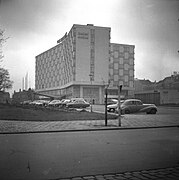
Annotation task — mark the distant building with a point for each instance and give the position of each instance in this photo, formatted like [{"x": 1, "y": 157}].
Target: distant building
[
  {"x": 24, "y": 95},
  {"x": 163, "y": 92},
  {"x": 83, "y": 63},
  {"x": 144, "y": 85},
  {"x": 4, "y": 97},
  {"x": 171, "y": 82}
]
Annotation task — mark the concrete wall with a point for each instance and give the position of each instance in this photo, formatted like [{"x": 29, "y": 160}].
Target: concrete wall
[
  {"x": 169, "y": 96},
  {"x": 100, "y": 45},
  {"x": 82, "y": 54}
]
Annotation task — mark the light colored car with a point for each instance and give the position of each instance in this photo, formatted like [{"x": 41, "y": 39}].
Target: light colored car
[
  {"x": 38, "y": 102},
  {"x": 113, "y": 107},
  {"x": 26, "y": 102},
  {"x": 64, "y": 102},
  {"x": 135, "y": 105},
  {"x": 55, "y": 103},
  {"x": 111, "y": 101},
  {"x": 77, "y": 103}
]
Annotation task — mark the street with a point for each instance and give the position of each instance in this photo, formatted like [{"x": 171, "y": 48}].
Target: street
[{"x": 70, "y": 154}]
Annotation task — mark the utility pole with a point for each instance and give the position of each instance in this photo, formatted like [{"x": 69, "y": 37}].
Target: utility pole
[
  {"x": 90, "y": 75},
  {"x": 106, "y": 97}
]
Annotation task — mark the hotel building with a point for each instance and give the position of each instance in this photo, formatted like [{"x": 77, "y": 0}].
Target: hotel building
[{"x": 82, "y": 63}]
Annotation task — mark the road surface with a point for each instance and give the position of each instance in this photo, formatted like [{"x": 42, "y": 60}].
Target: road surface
[{"x": 62, "y": 155}]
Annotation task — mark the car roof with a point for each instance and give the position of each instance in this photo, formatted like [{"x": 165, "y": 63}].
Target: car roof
[{"x": 132, "y": 100}]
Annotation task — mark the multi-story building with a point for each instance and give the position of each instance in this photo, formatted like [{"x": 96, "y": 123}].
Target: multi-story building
[
  {"x": 83, "y": 62},
  {"x": 121, "y": 70}
]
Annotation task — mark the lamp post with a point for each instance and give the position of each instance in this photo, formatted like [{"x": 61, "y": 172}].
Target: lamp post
[
  {"x": 106, "y": 98},
  {"x": 90, "y": 75},
  {"x": 119, "y": 104}
]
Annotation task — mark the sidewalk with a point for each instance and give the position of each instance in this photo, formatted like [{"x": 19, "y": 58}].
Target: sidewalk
[{"x": 127, "y": 122}]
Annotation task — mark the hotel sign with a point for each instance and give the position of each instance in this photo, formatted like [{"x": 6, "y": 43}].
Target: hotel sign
[
  {"x": 61, "y": 39},
  {"x": 83, "y": 35}
]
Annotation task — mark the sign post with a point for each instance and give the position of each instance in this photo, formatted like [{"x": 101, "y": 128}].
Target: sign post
[
  {"x": 119, "y": 104},
  {"x": 106, "y": 97},
  {"x": 90, "y": 75}
]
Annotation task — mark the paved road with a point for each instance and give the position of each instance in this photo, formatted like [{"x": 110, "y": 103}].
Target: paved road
[{"x": 88, "y": 153}]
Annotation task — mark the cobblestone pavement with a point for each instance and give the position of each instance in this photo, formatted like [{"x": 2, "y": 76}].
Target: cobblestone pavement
[
  {"x": 157, "y": 174},
  {"x": 127, "y": 121}
]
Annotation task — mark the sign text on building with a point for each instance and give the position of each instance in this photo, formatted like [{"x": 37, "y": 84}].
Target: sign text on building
[{"x": 83, "y": 35}]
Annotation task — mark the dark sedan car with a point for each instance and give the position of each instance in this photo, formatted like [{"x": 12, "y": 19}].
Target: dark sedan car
[{"x": 135, "y": 105}]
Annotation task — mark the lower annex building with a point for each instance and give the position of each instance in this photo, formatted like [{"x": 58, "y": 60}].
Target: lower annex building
[{"x": 83, "y": 63}]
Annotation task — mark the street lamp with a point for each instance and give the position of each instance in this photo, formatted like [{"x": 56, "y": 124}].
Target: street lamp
[
  {"x": 106, "y": 98},
  {"x": 91, "y": 79},
  {"x": 119, "y": 103}
]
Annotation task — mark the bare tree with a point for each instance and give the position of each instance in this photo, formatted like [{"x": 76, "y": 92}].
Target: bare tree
[
  {"x": 2, "y": 40},
  {"x": 5, "y": 82}
]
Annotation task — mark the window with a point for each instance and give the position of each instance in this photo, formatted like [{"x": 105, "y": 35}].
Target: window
[
  {"x": 131, "y": 72},
  {"x": 126, "y": 78},
  {"x": 116, "y": 77},
  {"x": 137, "y": 102},
  {"x": 131, "y": 61},
  {"x": 126, "y": 66},
  {"x": 116, "y": 66},
  {"x": 121, "y": 72},
  {"x": 126, "y": 55},
  {"x": 121, "y": 60},
  {"x": 121, "y": 49},
  {"x": 116, "y": 54}
]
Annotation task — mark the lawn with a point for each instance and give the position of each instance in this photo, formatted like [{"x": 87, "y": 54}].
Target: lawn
[{"x": 9, "y": 112}]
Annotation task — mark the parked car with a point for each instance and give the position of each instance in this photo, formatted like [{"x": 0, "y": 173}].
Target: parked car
[
  {"x": 78, "y": 103},
  {"x": 55, "y": 103},
  {"x": 113, "y": 107},
  {"x": 39, "y": 102},
  {"x": 26, "y": 102},
  {"x": 111, "y": 101},
  {"x": 136, "y": 105},
  {"x": 64, "y": 102}
]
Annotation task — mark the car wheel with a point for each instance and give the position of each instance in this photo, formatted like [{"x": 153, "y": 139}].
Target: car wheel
[
  {"x": 127, "y": 111},
  {"x": 153, "y": 111}
]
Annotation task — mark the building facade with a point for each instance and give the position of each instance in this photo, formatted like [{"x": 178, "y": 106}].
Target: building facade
[{"x": 83, "y": 63}]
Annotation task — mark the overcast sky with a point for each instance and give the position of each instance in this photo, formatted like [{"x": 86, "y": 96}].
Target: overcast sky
[{"x": 35, "y": 26}]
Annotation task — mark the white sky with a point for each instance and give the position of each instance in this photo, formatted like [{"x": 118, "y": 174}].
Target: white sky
[{"x": 35, "y": 26}]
